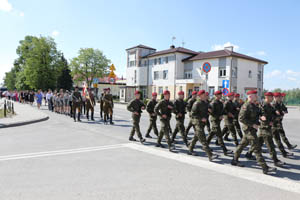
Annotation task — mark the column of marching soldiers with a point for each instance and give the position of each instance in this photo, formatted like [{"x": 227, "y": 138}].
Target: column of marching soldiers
[{"x": 265, "y": 116}]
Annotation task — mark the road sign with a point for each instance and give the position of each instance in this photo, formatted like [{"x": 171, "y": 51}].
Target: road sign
[
  {"x": 112, "y": 67},
  {"x": 112, "y": 74},
  {"x": 95, "y": 80},
  {"x": 225, "y": 91},
  {"x": 225, "y": 84},
  {"x": 206, "y": 67}
]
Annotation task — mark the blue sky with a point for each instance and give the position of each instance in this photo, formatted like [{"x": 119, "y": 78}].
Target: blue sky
[{"x": 267, "y": 29}]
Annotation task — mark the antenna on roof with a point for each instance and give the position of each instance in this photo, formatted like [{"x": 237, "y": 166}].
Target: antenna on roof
[
  {"x": 173, "y": 39},
  {"x": 183, "y": 43}
]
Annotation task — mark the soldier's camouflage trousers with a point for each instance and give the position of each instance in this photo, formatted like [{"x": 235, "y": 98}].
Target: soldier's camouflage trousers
[
  {"x": 189, "y": 126},
  {"x": 153, "y": 126},
  {"x": 229, "y": 128},
  {"x": 179, "y": 128},
  {"x": 283, "y": 136},
  {"x": 136, "y": 126},
  {"x": 250, "y": 136},
  {"x": 237, "y": 127},
  {"x": 88, "y": 109},
  {"x": 265, "y": 135},
  {"x": 164, "y": 131},
  {"x": 276, "y": 135},
  {"x": 78, "y": 107},
  {"x": 200, "y": 136},
  {"x": 216, "y": 131}
]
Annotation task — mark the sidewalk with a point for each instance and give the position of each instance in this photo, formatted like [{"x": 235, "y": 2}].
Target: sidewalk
[{"x": 25, "y": 114}]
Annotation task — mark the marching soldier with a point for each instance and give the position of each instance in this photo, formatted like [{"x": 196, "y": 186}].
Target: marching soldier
[
  {"x": 238, "y": 104},
  {"x": 277, "y": 126},
  {"x": 208, "y": 102},
  {"x": 216, "y": 116},
  {"x": 179, "y": 111},
  {"x": 249, "y": 117},
  {"x": 199, "y": 117},
  {"x": 152, "y": 115},
  {"x": 101, "y": 103},
  {"x": 164, "y": 110},
  {"x": 76, "y": 102},
  {"x": 136, "y": 106},
  {"x": 90, "y": 104},
  {"x": 265, "y": 134},
  {"x": 189, "y": 106},
  {"x": 108, "y": 105},
  {"x": 229, "y": 112}
]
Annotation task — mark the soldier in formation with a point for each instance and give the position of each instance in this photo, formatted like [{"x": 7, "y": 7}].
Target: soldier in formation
[
  {"x": 76, "y": 102},
  {"x": 108, "y": 105},
  {"x": 152, "y": 116},
  {"x": 90, "y": 104}
]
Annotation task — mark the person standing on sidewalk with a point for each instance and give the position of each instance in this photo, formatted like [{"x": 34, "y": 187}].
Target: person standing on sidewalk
[
  {"x": 39, "y": 98},
  {"x": 48, "y": 99}
]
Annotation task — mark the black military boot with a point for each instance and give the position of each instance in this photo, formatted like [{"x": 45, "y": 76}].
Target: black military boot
[
  {"x": 132, "y": 139},
  {"x": 159, "y": 145},
  {"x": 110, "y": 120},
  {"x": 287, "y": 154},
  {"x": 279, "y": 163},
  {"x": 249, "y": 156},
  {"x": 142, "y": 140},
  {"x": 290, "y": 146},
  {"x": 236, "y": 163},
  {"x": 213, "y": 157},
  {"x": 78, "y": 117},
  {"x": 92, "y": 116},
  {"x": 268, "y": 170},
  {"x": 148, "y": 135},
  {"x": 217, "y": 142}
]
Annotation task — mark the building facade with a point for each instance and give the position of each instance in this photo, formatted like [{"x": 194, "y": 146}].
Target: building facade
[{"x": 181, "y": 69}]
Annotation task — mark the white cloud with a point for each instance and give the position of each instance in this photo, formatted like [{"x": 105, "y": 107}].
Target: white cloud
[
  {"x": 273, "y": 74},
  {"x": 21, "y": 14},
  {"x": 261, "y": 53},
  {"x": 292, "y": 78},
  {"x": 5, "y": 6},
  {"x": 55, "y": 33},
  {"x": 222, "y": 46}
]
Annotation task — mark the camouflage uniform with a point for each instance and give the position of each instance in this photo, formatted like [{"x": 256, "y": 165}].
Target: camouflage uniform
[
  {"x": 108, "y": 105},
  {"x": 162, "y": 109},
  {"x": 217, "y": 111},
  {"x": 90, "y": 103},
  {"x": 135, "y": 105},
  {"x": 76, "y": 102},
  {"x": 249, "y": 116},
  {"x": 229, "y": 107},
  {"x": 282, "y": 132},
  {"x": 236, "y": 122},
  {"x": 150, "y": 109},
  {"x": 189, "y": 106},
  {"x": 198, "y": 112},
  {"x": 179, "y": 108}
]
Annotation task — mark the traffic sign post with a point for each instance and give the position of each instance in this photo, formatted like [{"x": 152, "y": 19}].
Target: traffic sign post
[
  {"x": 206, "y": 67},
  {"x": 225, "y": 91},
  {"x": 225, "y": 84}
]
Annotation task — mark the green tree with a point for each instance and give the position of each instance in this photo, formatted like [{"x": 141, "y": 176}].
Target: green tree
[
  {"x": 64, "y": 79},
  {"x": 89, "y": 64}
]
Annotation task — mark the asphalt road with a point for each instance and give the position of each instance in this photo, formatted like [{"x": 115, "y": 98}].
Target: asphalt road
[{"x": 61, "y": 159}]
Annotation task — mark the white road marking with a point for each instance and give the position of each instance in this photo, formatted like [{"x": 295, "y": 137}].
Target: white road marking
[
  {"x": 59, "y": 152},
  {"x": 279, "y": 183}
]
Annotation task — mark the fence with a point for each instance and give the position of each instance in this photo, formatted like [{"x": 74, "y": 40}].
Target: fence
[{"x": 8, "y": 107}]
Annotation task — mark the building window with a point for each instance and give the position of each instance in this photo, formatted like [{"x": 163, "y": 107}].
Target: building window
[
  {"x": 190, "y": 92},
  {"x": 134, "y": 76},
  {"x": 211, "y": 91},
  {"x": 122, "y": 93},
  {"x": 180, "y": 88},
  {"x": 234, "y": 89},
  {"x": 154, "y": 89},
  {"x": 188, "y": 75},
  {"x": 144, "y": 93},
  {"x": 165, "y": 74},
  {"x": 155, "y": 61},
  {"x": 160, "y": 90},
  {"x": 156, "y": 75},
  {"x": 234, "y": 72},
  {"x": 220, "y": 88},
  {"x": 250, "y": 74},
  {"x": 159, "y": 61},
  {"x": 167, "y": 59},
  {"x": 196, "y": 89},
  {"x": 145, "y": 63},
  {"x": 222, "y": 72},
  {"x": 132, "y": 63},
  {"x": 259, "y": 76}
]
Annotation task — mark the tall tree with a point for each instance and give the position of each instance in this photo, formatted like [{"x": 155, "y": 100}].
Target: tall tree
[
  {"x": 89, "y": 64},
  {"x": 64, "y": 79}
]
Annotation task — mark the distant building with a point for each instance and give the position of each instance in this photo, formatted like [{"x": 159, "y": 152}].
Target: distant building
[{"x": 177, "y": 69}]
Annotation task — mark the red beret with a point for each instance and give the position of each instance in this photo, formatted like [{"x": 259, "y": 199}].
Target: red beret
[
  {"x": 270, "y": 94},
  {"x": 194, "y": 92},
  {"x": 217, "y": 92},
  {"x": 154, "y": 94},
  {"x": 137, "y": 92},
  {"x": 201, "y": 92},
  {"x": 251, "y": 92},
  {"x": 108, "y": 88},
  {"x": 206, "y": 93},
  {"x": 237, "y": 95},
  {"x": 283, "y": 94},
  {"x": 166, "y": 92},
  {"x": 180, "y": 93},
  {"x": 230, "y": 94},
  {"x": 277, "y": 94}
]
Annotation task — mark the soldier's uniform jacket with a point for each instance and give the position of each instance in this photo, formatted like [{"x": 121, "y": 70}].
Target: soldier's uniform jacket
[
  {"x": 229, "y": 107},
  {"x": 284, "y": 108},
  {"x": 217, "y": 110},
  {"x": 90, "y": 100},
  {"x": 76, "y": 97},
  {"x": 162, "y": 109},
  {"x": 268, "y": 111},
  {"x": 108, "y": 100},
  {"x": 278, "y": 118},
  {"x": 238, "y": 106},
  {"x": 135, "y": 105},
  {"x": 199, "y": 110},
  {"x": 179, "y": 107},
  {"x": 249, "y": 115},
  {"x": 150, "y": 108},
  {"x": 189, "y": 105}
]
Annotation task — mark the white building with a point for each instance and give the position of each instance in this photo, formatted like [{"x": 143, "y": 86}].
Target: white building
[{"x": 179, "y": 68}]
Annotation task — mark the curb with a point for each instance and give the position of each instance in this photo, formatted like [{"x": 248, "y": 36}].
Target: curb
[{"x": 24, "y": 122}]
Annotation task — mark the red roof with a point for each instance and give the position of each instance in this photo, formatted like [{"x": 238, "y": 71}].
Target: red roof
[
  {"x": 141, "y": 46},
  {"x": 173, "y": 50},
  {"x": 221, "y": 53}
]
